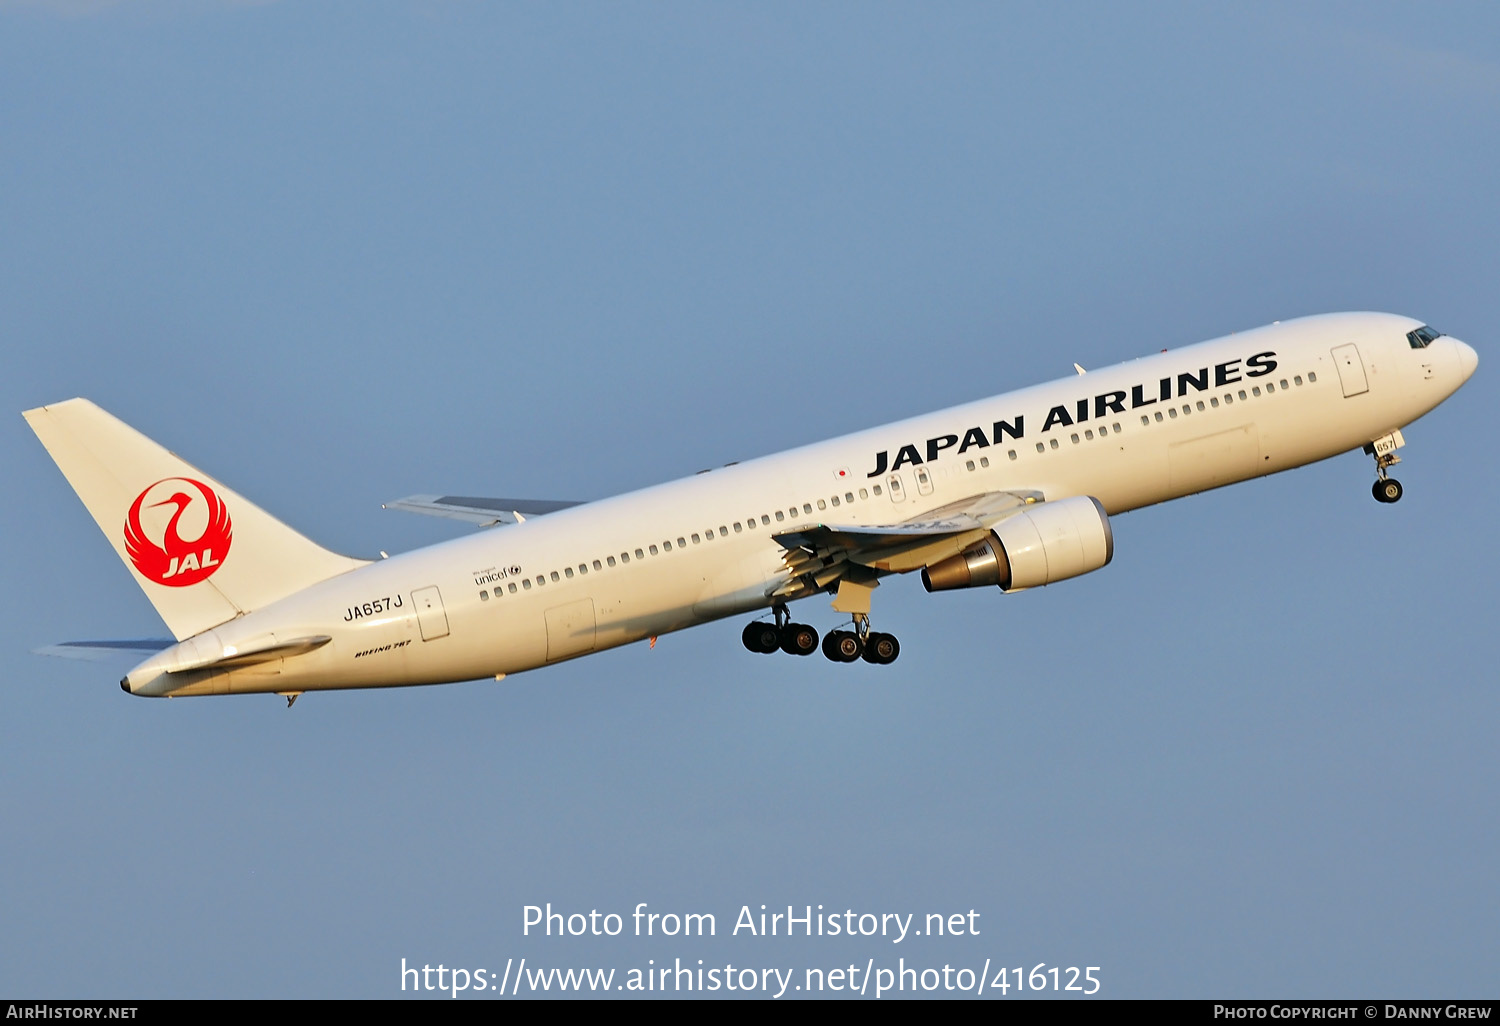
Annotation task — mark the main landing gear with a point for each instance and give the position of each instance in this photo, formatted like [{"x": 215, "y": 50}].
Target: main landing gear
[
  {"x": 839, "y": 646},
  {"x": 791, "y": 638},
  {"x": 861, "y": 643}
]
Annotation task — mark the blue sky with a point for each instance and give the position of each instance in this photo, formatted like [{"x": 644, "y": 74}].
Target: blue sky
[{"x": 335, "y": 254}]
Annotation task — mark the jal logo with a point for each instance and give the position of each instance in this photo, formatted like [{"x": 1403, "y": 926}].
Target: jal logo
[{"x": 177, "y": 532}]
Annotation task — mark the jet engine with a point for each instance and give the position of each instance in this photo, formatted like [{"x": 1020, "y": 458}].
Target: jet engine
[{"x": 1047, "y": 542}]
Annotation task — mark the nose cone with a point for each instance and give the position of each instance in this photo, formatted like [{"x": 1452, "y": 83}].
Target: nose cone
[{"x": 1468, "y": 359}]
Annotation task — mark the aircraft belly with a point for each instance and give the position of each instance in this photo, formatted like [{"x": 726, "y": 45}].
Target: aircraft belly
[{"x": 1212, "y": 460}]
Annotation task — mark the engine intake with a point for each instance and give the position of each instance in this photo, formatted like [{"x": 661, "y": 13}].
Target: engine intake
[{"x": 1048, "y": 542}]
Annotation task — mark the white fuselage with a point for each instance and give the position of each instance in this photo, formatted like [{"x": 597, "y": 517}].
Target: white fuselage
[{"x": 678, "y": 554}]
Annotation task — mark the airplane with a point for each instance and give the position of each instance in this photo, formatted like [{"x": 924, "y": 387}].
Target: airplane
[{"x": 1011, "y": 492}]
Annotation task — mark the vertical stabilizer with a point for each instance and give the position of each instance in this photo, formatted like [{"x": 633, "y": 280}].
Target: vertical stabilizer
[{"x": 202, "y": 553}]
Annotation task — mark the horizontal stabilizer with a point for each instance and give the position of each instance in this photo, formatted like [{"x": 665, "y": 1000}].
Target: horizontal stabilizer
[
  {"x": 479, "y": 510},
  {"x": 244, "y": 655},
  {"x": 98, "y": 651}
]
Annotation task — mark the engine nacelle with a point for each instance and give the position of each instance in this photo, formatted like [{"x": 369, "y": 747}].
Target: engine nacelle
[{"x": 1048, "y": 542}]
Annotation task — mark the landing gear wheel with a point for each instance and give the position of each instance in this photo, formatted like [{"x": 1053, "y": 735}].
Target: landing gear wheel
[
  {"x": 881, "y": 648},
  {"x": 761, "y": 637},
  {"x": 799, "y": 639},
  {"x": 1387, "y": 489},
  {"x": 842, "y": 646}
]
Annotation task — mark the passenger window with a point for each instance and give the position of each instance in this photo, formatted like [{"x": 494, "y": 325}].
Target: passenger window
[
  {"x": 723, "y": 531},
  {"x": 526, "y": 584},
  {"x": 511, "y": 587},
  {"x": 765, "y": 520},
  {"x": 541, "y": 582},
  {"x": 984, "y": 461},
  {"x": 1053, "y": 443},
  {"x": 1244, "y": 396},
  {"x": 568, "y": 572},
  {"x": 1075, "y": 437},
  {"x": 1270, "y": 387},
  {"x": 610, "y": 560},
  {"x": 598, "y": 567},
  {"x": 484, "y": 596},
  {"x": 969, "y": 464},
  {"x": 1283, "y": 384},
  {"x": 1172, "y": 413},
  {"x": 1312, "y": 376},
  {"x": 1040, "y": 447},
  {"x": 1012, "y": 454},
  {"x": 779, "y": 519},
  {"x": 1200, "y": 405},
  {"x": 738, "y": 528},
  {"x": 1228, "y": 399},
  {"x": 1145, "y": 419},
  {"x": 666, "y": 546},
  {"x": 834, "y": 500},
  {"x": 822, "y": 504},
  {"x": 653, "y": 550},
  {"x": 583, "y": 568},
  {"x": 1214, "y": 402},
  {"x": 682, "y": 543},
  {"x": 864, "y": 494},
  {"x": 1117, "y": 428},
  {"x": 1158, "y": 416},
  {"x": 848, "y": 496},
  {"x": 807, "y": 507},
  {"x": 1089, "y": 434},
  {"x": 696, "y": 539},
  {"x": 1255, "y": 390},
  {"x": 1298, "y": 379},
  {"x": 1186, "y": 409},
  {"x": 877, "y": 489}
]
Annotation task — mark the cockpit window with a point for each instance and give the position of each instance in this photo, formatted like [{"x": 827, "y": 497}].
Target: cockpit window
[{"x": 1423, "y": 337}]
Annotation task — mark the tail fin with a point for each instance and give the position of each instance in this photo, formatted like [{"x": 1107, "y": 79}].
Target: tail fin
[{"x": 200, "y": 552}]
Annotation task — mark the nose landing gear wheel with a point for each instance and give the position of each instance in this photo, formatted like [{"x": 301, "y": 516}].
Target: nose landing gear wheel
[{"x": 1387, "y": 489}]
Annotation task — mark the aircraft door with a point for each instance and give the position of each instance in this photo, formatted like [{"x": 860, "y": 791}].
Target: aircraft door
[
  {"x": 1351, "y": 369},
  {"x": 431, "y": 616},
  {"x": 893, "y": 485}
]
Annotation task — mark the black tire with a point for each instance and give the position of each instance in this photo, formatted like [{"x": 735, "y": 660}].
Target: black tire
[
  {"x": 882, "y": 649},
  {"x": 761, "y": 637},
  {"x": 847, "y": 646},
  {"x": 1387, "y": 490},
  {"x": 799, "y": 639},
  {"x": 831, "y": 646}
]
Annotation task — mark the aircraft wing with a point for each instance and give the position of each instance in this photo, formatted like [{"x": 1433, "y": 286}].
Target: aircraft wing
[
  {"x": 479, "y": 510},
  {"x": 818, "y": 555}
]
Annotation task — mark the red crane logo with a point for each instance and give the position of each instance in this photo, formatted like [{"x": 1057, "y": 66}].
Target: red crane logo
[{"x": 170, "y": 560}]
